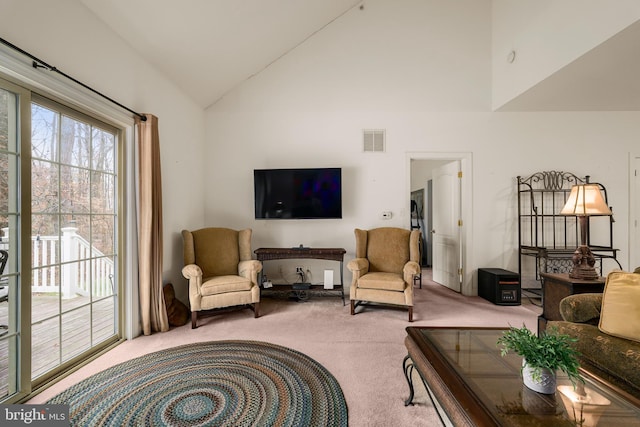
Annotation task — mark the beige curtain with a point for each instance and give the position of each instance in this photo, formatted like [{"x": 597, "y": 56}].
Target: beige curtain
[{"x": 152, "y": 308}]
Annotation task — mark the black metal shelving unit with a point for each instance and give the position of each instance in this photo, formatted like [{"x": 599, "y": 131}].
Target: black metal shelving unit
[{"x": 546, "y": 239}]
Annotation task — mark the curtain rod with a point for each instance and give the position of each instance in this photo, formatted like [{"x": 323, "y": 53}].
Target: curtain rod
[{"x": 39, "y": 63}]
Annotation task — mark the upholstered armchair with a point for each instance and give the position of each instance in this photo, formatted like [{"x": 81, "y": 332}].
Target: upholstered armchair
[
  {"x": 221, "y": 273},
  {"x": 387, "y": 259}
]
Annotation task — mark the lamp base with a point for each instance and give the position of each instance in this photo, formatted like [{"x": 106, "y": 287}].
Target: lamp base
[{"x": 583, "y": 264}]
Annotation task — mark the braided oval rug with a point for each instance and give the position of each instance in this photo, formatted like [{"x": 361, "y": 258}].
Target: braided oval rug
[{"x": 219, "y": 383}]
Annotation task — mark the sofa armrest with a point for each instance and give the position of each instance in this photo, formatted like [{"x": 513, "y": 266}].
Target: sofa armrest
[{"x": 581, "y": 308}]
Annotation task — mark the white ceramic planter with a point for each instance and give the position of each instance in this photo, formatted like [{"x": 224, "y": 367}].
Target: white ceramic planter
[{"x": 546, "y": 384}]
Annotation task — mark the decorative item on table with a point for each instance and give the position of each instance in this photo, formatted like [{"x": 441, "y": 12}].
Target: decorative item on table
[
  {"x": 584, "y": 406},
  {"x": 585, "y": 200},
  {"x": 542, "y": 356}
]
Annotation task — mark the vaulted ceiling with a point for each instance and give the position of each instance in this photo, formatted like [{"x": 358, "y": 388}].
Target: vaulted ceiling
[{"x": 209, "y": 47}]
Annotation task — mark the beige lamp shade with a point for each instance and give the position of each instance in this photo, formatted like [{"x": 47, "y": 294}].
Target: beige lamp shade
[{"x": 586, "y": 199}]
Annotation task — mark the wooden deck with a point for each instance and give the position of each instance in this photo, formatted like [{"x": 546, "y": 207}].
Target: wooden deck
[{"x": 57, "y": 339}]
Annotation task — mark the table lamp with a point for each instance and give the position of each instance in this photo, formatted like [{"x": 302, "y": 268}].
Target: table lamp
[{"x": 584, "y": 200}]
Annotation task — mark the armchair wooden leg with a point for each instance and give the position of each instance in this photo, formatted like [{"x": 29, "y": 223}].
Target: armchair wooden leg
[
  {"x": 256, "y": 310},
  {"x": 194, "y": 319},
  {"x": 410, "y": 314},
  {"x": 353, "y": 307}
]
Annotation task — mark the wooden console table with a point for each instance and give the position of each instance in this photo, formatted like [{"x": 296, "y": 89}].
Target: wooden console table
[
  {"x": 330, "y": 254},
  {"x": 556, "y": 286}
]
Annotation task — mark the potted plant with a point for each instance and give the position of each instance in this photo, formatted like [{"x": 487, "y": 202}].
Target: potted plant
[{"x": 542, "y": 356}]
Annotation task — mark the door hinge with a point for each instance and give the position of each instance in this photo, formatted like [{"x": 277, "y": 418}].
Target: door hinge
[
  {"x": 460, "y": 174},
  {"x": 459, "y": 223}
]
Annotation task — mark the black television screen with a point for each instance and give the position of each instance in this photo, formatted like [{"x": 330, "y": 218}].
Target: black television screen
[{"x": 298, "y": 193}]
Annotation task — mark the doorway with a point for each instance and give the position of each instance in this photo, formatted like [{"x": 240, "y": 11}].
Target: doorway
[
  {"x": 454, "y": 258},
  {"x": 634, "y": 219}
]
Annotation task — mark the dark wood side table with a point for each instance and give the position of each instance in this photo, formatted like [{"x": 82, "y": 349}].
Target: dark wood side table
[
  {"x": 556, "y": 286},
  {"x": 329, "y": 254}
]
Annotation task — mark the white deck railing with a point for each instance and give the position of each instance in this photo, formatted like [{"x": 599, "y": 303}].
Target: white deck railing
[{"x": 80, "y": 266}]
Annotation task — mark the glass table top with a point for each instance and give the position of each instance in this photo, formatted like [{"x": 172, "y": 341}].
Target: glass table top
[{"x": 474, "y": 355}]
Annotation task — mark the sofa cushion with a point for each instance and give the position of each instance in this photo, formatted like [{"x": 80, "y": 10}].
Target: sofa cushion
[
  {"x": 620, "y": 312},
  {"x": 616, "y": 360}
]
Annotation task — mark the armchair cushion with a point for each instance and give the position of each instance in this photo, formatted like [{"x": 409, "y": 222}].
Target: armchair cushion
[
  {"x": 387, "y": 281},
  {"x": 225, "y": 284},
  {"x": 387, "y": 248},
  {"x": 209, "y": 249},
  {"x": 212, "y": 254}
]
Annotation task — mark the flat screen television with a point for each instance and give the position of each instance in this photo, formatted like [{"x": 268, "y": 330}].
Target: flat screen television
[{"x": 298, "y": 193}]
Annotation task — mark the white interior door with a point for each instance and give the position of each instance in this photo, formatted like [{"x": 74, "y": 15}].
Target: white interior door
[{"x": 446, "y": 229}]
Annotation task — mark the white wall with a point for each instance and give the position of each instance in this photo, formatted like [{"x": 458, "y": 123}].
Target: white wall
[
  {"x": 546, "y": 35},
  {"x": 66, "y": 35},
  {"x": 422, "y": 71}
]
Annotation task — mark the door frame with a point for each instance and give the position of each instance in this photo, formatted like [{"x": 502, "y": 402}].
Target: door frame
[
  {"x": 634, "y": 211},
  {"x": 466, "y": 207}
]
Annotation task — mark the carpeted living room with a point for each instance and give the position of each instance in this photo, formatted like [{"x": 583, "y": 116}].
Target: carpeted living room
[
  {"x": 363, "y": 352},
  {"x": 127, "y": 128}
]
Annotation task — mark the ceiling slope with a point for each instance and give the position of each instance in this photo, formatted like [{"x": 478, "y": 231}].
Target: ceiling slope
[
  {"x": 607, "y": 78},
  {"x": 208, "y": 47}
]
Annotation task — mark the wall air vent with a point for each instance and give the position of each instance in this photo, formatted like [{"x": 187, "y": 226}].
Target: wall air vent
[{"x": 373, "y": 140}]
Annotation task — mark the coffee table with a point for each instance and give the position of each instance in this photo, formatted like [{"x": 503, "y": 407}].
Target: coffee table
[{"x": 471, "y": 384}]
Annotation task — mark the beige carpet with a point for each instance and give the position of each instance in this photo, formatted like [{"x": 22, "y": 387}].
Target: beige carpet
[{"x": 364, "y": 352}]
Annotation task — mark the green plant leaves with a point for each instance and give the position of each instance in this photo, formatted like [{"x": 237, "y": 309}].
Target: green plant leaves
[{"x": 550, "y": 350}]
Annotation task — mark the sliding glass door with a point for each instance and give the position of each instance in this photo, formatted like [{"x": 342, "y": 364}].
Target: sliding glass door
[
  {"x": 59, "y": 239},
  {"x": 73, "y": 227},
  {"x": 11, "y": 221}
]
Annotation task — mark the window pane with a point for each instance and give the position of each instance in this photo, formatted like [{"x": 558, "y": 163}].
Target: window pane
[
  {"x": 44, "y": 133},
  {"x": 45, "y": 228},
  {"x": 45, "y": 293},
  {"x": 103, "y": 311},
  {"x": 74, "y": 194},
  {"x": 45, "y": 349},
  {"x": 76, "y": 332},
  {"x": 103, "y": 193},
  {"x": 44, "y": 187},
  {"x": 103, "y": 234},
  {"x": 4, "y": 185},
  {"x": 103, "y": 280},
  {"x": 74, "y": 143},
  {"x": 103, "y": 156}
]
